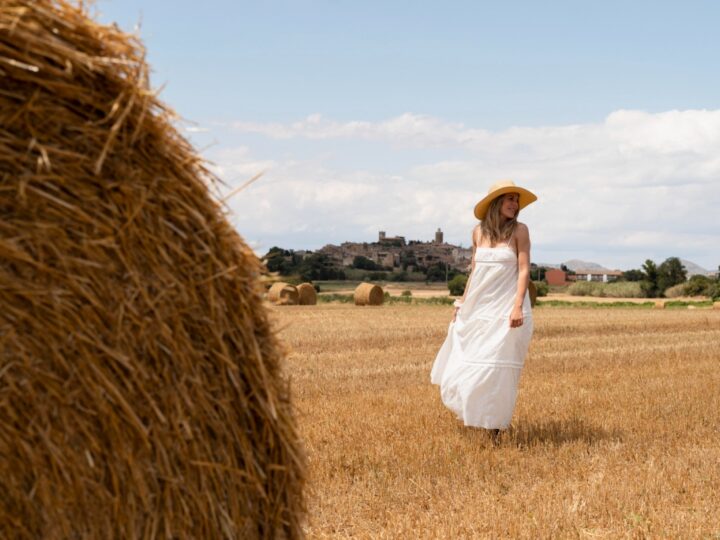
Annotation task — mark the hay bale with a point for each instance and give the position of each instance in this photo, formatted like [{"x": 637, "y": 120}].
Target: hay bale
[
  {"x": 659, "y": 304},
  {"x": 307, "y": 294},
  {"x": 367, "y": 294},
  {"x": 283, "y": 294},
  {"x": 532, "y": 291},
  {"x": 716, "y": 305},
  {"x": 140, "y": 385}
]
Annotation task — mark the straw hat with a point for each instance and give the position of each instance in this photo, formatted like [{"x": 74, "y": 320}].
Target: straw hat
[{"x": 501, "y": 188}]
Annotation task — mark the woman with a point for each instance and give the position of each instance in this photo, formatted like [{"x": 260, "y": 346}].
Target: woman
[{"x": 478, "y": 366}]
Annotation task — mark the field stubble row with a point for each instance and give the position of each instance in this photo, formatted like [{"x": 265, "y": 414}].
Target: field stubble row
[{"x": 615, "y": 433}]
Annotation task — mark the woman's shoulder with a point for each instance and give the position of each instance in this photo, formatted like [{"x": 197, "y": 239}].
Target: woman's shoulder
[
  {"x": 522, "y": 233},
  {"x": 477, "y": 234}
]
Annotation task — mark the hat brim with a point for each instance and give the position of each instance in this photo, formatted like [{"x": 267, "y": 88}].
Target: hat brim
[{"x": 526, "y": 197}]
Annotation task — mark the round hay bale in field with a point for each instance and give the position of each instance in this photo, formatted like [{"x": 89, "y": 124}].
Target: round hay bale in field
[
  {"x": 367, "y": 294},
  {"x": 716, "y": 305},
  {"x": 659, "y": 304},
  {"x": 283, "y": 294},
  {"x": 307, "y": 294},
  {"x": 532, "y": 291},
  {"x": 141, "y": 392}
]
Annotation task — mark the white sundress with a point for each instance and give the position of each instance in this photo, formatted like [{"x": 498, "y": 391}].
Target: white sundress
[{"x": 478, "y": 366}]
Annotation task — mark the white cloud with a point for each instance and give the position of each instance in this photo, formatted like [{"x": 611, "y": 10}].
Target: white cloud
[
  {"x": 638, "y": 185},
  {"x": 668, "y": 133},
  {"x": 406, "y": 129},
  {"x": 236, "y": 165},
  {"x": 197, "y": 129}
]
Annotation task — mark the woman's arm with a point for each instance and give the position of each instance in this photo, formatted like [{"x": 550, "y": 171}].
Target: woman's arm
[{"x": 522, "y": 241}]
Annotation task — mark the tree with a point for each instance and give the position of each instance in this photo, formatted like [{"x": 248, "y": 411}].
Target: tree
[
  {"x": 435, "y": 272},
  {"x": 669, "y": 273},
  {"x": 274, "y": 259},
  {"x": 650, "y": 283},
  {"x": 537, "y": 273},
  {"x": 650, "y": 271},
  {"x": 659, "y": 278},
  {"x": 633, "y": 275},
  {"x": 440, "y": 271},
  {"x": 541, "y": 288},
  {"x": 457, "y": 284},
  {"x": 698, "y": 285},
  {"x": 284, "y": 261},
  {"x": 407, "y": 258},
  {"x": 318, "y": 266},
  {"x": 363, "y": 263}
]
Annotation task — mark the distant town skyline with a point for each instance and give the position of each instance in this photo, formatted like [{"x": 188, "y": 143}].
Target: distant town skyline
[
  {"x": 573, "y": 263},
  {"x": 397, "y": 117}
]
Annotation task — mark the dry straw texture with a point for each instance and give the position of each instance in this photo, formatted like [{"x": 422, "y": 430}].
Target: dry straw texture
[
  {"x": 307, "y": 294},
  {"x": 367, "y": 294},
  {"x": 140, "y": 392},
  {"x": 283, "y": 294},
  {"x": 615, "y": 434}
]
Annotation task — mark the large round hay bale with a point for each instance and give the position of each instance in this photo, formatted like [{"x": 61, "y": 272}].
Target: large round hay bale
[
  {"x": 659, "y": 304},
  {"x": 716, "y": 305},
  {"x": 532, "y": 291},
  {"x": 141, "y": 393},
  {"x": 367, "y": 294},
  {"x": 283, "y": 294},
  {"x": 307, "y": 294}
]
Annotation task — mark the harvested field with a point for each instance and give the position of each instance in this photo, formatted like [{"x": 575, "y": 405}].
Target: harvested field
[{"x": 616, "y": 433}]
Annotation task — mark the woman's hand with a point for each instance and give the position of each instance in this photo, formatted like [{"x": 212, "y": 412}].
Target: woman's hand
[
  {"x": 516, "y": 317},
  {"x": 457, "y": 308}
]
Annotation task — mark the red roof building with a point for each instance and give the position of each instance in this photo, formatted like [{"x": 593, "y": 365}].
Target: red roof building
[{"x": 555, "y": 276}]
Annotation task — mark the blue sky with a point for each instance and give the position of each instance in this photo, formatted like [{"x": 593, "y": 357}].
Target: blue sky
[{"x": 398, "y": 115}]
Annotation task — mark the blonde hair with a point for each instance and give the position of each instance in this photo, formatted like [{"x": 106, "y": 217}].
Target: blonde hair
[{"x": 493, "y": 228}]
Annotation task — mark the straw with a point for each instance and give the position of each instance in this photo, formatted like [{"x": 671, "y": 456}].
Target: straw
[{"x": 141, "y": 392}]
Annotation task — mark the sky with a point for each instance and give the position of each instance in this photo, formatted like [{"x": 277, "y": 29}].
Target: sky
[{"x": 398, "y": 116}]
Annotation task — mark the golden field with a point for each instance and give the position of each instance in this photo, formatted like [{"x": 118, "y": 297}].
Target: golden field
[{"x": 616, "y": 433}]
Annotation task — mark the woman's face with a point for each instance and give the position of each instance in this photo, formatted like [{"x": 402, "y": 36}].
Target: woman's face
[{"x": 510, "y": 205}]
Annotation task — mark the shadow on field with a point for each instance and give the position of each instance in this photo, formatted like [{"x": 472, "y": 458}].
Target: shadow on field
[{"x": 556, "y": 432}]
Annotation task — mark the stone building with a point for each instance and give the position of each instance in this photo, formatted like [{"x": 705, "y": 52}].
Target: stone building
[{"x": 397, "y": 254}]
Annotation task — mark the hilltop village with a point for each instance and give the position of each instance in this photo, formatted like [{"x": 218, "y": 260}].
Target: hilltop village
[
  {"x": 390, "y": 258},
  {"x": 394, "y": 253}
]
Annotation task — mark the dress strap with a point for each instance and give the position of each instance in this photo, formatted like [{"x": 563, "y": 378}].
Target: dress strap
[{"x": 511, "y": 237}]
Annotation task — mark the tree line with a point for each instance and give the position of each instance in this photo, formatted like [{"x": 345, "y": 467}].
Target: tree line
[
  {"x": 656, "y": 279},
  {"x": 315, "y": 266}
]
